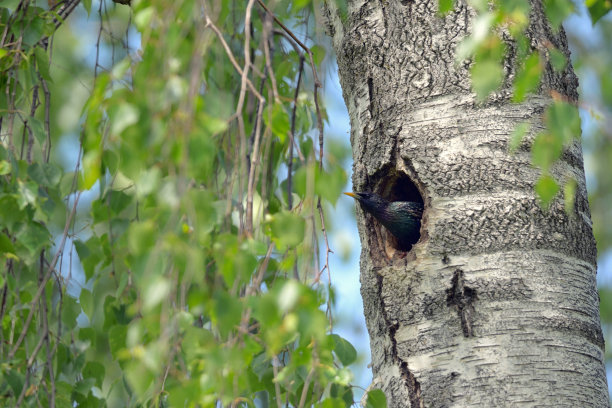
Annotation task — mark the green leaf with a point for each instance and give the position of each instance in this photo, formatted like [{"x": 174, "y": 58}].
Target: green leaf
[
  {"x": 563, "y": 121},
  {"x": 546, "y": 188},
  {"x": 318, "y": 54},
  {"x": 287, "y": 229},
  {"x": 344, "y": 350},
  {"x": 606, "y": 89},
  {"x": 569, "y": 195},
  {"x": 89, "y": 255},
  {"x": 140, "y": 378},
  {"x": 278, "y": 120},
  {"x": 487, "y": 76},
  {"x": 12, "y": 6},
  {"x": 155, "y": 292},
  {"x": 141, "y": 237},
  {"x": 557, "y": 11},
  {"x": 517, "y": 11},
  {"x": 288, "y": 296},
  {"x": 5, "y": 167},
  {"x": 10, "y": 211},
  {"x": 226, "y": 312},
  {"x": 343, "y": 392},
  {"x": 94, "y": 370},
  {"x": 125, "y": 115},
  {"x": 92, "y": 163},
  {"x": 598, "y": 9},
  {"x": 444, "y": 6},
  {"x": 70, "y": 311},
  {"x": 87, "y": 303},
  {"x": 528, "y": 77},
  {"x": 143, "y": 18},
  {"x": 517, "y": 135},
  {"x": 35, "y": 26},
  {"x": 331, "y": 403},
  {"x": 557, "y": 59},
  {"x": 329, "y": 185},
  {"x": 27, "y": 194},
  {"x": 38, "y": 129},
  {"x": 45, "y": 174},
  {"x": 87, "y": 5},
  {"x": 42, "y": 62},
  {"x": 376, "y": 399},
  {"x": 202, "y": 151},
  {"x": 546, "y": 150},
  {"x": 34, "y": 237},
  {"x": 116, "y": 339},
  {"x": 213, "y": 125},
  {"x": 605, "y": 304},
  {"x": 14, "y": 380},
  {"x": 6, "y": 245},
  {"x": 121, "y": 68}
]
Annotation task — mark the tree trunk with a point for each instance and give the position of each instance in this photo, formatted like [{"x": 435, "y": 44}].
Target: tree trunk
[{"x": 496, "y": 305}]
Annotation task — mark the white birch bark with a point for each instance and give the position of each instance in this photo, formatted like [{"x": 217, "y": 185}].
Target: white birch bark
[{"x": 496, "y": 305}]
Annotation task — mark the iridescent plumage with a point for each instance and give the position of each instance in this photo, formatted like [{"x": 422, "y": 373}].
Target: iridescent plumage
[{"x": 401, "y": 218}]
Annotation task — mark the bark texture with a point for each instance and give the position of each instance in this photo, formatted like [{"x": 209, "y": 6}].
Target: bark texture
[{"x": 496, "y": 305}]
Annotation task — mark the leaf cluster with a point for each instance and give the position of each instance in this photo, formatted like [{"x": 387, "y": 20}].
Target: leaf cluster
[{"x": 191, "y": 216}]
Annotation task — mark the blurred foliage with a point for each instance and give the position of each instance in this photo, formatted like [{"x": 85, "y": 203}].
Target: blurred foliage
[
  {"x": 161, "y": 201},
  {"x": 495, "y": 25}
]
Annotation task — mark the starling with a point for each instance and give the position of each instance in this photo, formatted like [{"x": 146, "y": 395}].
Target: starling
[{"x": 401, "y": 218}]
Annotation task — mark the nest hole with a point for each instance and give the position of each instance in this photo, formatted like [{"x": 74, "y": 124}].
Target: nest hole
[{"x": 400, "y": 187}]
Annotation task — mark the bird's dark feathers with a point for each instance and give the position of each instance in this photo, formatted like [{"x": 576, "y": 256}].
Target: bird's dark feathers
[{"x": 401, "y": 218}]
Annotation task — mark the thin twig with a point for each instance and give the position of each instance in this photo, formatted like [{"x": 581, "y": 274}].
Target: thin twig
[
  {"x": 254, "y": 287},
  {"x": 33, "y": 109},
  {"x": 248, "y": 224},
  {"x": 267, "y": 54},
  {"x": 301, "y": 44},
  {"x": 230, "y": 55},
  {"x": 328, "y": 250},
  {"x": 306, "y": 387},
  {"x": 292, "y": 134},
  {"x": 46, "y": 337},
  {"x": 97, "y": 63},
  {"x": 254, "y": 163},
  {"x": 317, "y": 83},
  {"x": 47, "y": 145},
  {"x": 275, "y": 364},
  {"x": 50, "y": 271}
]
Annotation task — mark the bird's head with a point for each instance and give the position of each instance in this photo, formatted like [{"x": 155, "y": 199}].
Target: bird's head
[{"x": 370, "y": 202}]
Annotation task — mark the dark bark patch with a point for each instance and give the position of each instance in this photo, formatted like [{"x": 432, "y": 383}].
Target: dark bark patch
[
  {"x": 462, "y": 297},
  {"x": 414, "y": 387},
  {"x": 410, "y": 381},
  {"x": 371, "y": 95}
]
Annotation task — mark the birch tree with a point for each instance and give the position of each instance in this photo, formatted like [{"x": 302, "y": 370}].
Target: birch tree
[{"x": 496, "y": 305}]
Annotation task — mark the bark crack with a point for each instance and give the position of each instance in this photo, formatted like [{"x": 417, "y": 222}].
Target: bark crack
[
  {"x": 462, "y": 297},
  {"x": 371, "y": 95},
  {"x": 410, "y": 381}
]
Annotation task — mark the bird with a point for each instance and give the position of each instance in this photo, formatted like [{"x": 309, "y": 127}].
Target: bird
[{"x": 400, "y": 218}]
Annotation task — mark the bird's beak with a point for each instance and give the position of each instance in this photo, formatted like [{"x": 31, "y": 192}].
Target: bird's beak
[{"x": 352, "y": 195}]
